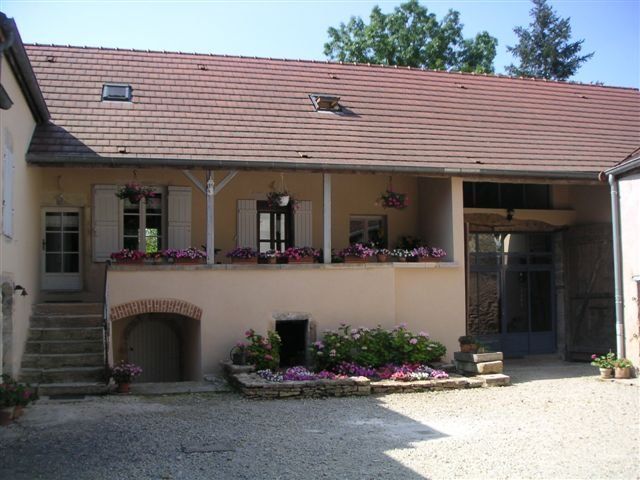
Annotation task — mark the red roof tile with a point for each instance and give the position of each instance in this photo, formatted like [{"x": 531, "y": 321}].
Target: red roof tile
[{"x": 257, "y": 112}]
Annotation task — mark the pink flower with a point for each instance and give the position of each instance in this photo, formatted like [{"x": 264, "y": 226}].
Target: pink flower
[
  {"x": 424, "y": 334},
  {"x": 248, "y": 333},
  {"x": 268, "y": 357},
  {"x": 241, "y": 345},
  {"x": 268, "y": 346},
  {"x": 413, "y": 341}
]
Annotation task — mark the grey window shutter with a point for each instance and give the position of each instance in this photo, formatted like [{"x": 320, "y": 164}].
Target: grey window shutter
[
  {"x": 106, "y": 222},
  {"x": 7, "y": 192},
  {"x": 302, "y": 224},
  {"x": 179, "y": 217},
  {"x": 246, "y": 235}
]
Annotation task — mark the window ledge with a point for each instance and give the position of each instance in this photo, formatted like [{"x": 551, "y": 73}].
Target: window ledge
[{"x": 311, "y": 266}]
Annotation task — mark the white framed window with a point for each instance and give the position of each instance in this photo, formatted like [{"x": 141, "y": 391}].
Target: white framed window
[
  {"x": 144, "y": 223},
  {"x": 368, "y": 229}
]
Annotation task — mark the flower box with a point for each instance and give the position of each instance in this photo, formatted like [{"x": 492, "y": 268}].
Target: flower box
[
  {"x": 382, "y": 258},
  {"x": 190, "y": 261},
  {"x": 130, "y": 261},
  {"x": 301, "y": 260},
  {"x": 354, "y": 259},
  {"x": 244, "y": 261},
  {"x": 424, "y": 259}
]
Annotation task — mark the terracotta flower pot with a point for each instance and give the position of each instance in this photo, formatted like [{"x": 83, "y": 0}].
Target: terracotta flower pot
[
  {"x": 190, "y": 261},
  {"x": 623, "y": 372},
  {"x": 469, "y": 348},
  {"x": 606, "y": 373},
  {"x": 6, "y": 416},
  {"x": 382, "y": 258},
  {"x": 18, "y": 411},
  {"x": 124, "y": 387},
  {"x": 426, "y": 259}
]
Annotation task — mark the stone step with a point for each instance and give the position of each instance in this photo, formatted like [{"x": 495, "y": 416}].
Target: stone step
[
  {"x": 72, "y": 389},
  {"x": 478, "y": 357},
  {"x": 479, "y": 368},
  {"x": 60, "y": 360},
  {"x": 66, "y": 321},
  {"x": 64, "y": 346},
  {"x": 89, "y": 333},
  {"x": 62, "y": 375},
  {"x": 74, "y": 308}
]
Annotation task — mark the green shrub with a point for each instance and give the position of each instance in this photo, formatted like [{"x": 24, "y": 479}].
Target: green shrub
[
  {"x": 263, "y": 352},
  {"x": 374, "y": 347}
]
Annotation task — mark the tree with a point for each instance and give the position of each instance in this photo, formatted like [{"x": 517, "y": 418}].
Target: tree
[
  {"x": 411, "y": 36},
  {"x": 544, "y": 49}
]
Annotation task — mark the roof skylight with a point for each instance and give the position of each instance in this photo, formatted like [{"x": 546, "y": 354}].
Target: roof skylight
[
  {"x": 326, "y": 103},
  {"x": 118, "y": 92}
]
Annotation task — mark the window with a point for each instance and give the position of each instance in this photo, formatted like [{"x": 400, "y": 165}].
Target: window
[
  {"x": 274, "y": 227},
  {"x": 506, "y": 195},
  {"x": 368, "y": 229},
  {"x": 325, "y": 103},
  {"x": 144, "y": 224},
  {"x": 116, "y": 92}
]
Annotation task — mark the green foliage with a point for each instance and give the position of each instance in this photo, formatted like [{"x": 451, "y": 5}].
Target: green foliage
[
  {"x": 544, "y": 49},
  {"x": 375, "y": 347},
  {"x": 411, "y": 36},
  {"x": 263, "y": 352}
]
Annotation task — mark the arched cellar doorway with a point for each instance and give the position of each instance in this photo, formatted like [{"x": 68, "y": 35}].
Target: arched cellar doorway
[{"x": 160, "y": 335}]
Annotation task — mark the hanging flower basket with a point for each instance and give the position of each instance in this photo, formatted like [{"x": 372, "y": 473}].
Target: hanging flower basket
[
  {"x": 278, "y": 199},
  {"x": 393, "y": 199},
  {"x": 135, "y": 192}
]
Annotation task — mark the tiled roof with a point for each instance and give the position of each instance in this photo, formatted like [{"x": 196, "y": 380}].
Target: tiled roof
[
  {"x": 251, "y": 112},
  {"x": 630, "y": 164}
]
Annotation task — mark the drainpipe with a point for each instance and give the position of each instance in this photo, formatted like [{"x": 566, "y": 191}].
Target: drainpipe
[{"x": 617, "y": 265}]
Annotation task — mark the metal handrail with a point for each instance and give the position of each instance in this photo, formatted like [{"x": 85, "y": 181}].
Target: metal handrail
[{"x": 105, "y": 320}]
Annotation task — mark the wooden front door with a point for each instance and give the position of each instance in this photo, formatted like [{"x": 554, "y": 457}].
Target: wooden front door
[{"x": 588, "y": 269}]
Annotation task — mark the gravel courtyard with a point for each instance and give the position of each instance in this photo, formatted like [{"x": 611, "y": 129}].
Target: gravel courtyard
[{"x": 556, "y": 421}]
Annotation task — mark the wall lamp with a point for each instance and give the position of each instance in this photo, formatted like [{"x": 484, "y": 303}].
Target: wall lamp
[{"x": 21, "y": 289}]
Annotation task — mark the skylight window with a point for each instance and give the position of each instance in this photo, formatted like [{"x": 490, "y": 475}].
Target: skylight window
[
  {"x": 116, "y": 92},
  {"x": 325, "y": 103}
]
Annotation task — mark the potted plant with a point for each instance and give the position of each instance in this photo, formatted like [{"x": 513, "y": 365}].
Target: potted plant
[
  {"x": 383, "y": 254},
  {"x": 427, "y": 254},
  {"x": 24, "y": 396},
  {"x": 299, "y": 255},
  {"x": 268, "y": 257},
  {"x": 189, "y": 255},
  {"x": 468, "y": 344},
  {"x": 246, "y": 255},
  {"x": 135, "y": 192},
  {"x": 261, "y": 351},
  {"x": 356, "y": 253},
  {"x": 604, "y": 363},
  {"x": 8, "y": 399},
  {"x": 126, "y": 256},
  {"x": 277, "y": 198},
  {"x": 622, "y": 368},
  {"x": 123, "y": 374},
  {"x": 393, "y": 199},
  {"x": 400, "y": 254},
  {"x": 238, "y": 354}
]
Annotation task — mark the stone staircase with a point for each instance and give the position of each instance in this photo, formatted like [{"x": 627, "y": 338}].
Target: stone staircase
[{"x": 64, "y": 354}]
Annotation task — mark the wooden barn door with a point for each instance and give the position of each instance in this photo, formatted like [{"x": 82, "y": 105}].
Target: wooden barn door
[{"x": 589, "y": 279}]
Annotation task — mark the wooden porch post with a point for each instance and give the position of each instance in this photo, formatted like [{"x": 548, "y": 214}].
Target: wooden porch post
[
  {"x": 326, "y": 218},
  {"x": 211, "y": 259}
]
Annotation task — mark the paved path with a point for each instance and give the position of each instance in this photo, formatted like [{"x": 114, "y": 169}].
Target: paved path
[{"x": 556, "y": 421}]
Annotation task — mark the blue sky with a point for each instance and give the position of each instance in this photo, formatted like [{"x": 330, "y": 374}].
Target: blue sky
[{"x": 298, "y": 29}]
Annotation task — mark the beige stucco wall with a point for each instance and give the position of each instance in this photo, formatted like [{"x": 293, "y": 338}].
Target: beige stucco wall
[
  {"x": 629, "y": 188},
  {"x": 352, "y": 194},
  {"x": 427, "y": 297},
  {"x": 19, "y": 255}
]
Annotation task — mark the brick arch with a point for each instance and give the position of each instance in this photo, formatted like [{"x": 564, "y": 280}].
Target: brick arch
[{"x": 155, "y": 305}]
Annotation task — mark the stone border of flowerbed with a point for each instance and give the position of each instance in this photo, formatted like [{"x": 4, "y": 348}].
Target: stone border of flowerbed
[{"x": 252, "y": 385}]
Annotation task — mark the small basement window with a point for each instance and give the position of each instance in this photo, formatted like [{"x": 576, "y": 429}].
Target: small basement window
[
  {"x": 326, "y": 103},
  {"x": 116, "y": 92}
]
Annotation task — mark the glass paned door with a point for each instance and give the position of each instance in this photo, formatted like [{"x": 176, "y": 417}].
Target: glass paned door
[{"x": 61, "y": 251}]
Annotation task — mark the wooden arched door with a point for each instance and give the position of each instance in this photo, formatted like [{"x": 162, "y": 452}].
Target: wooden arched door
[{"x": 154, "y": 344}]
